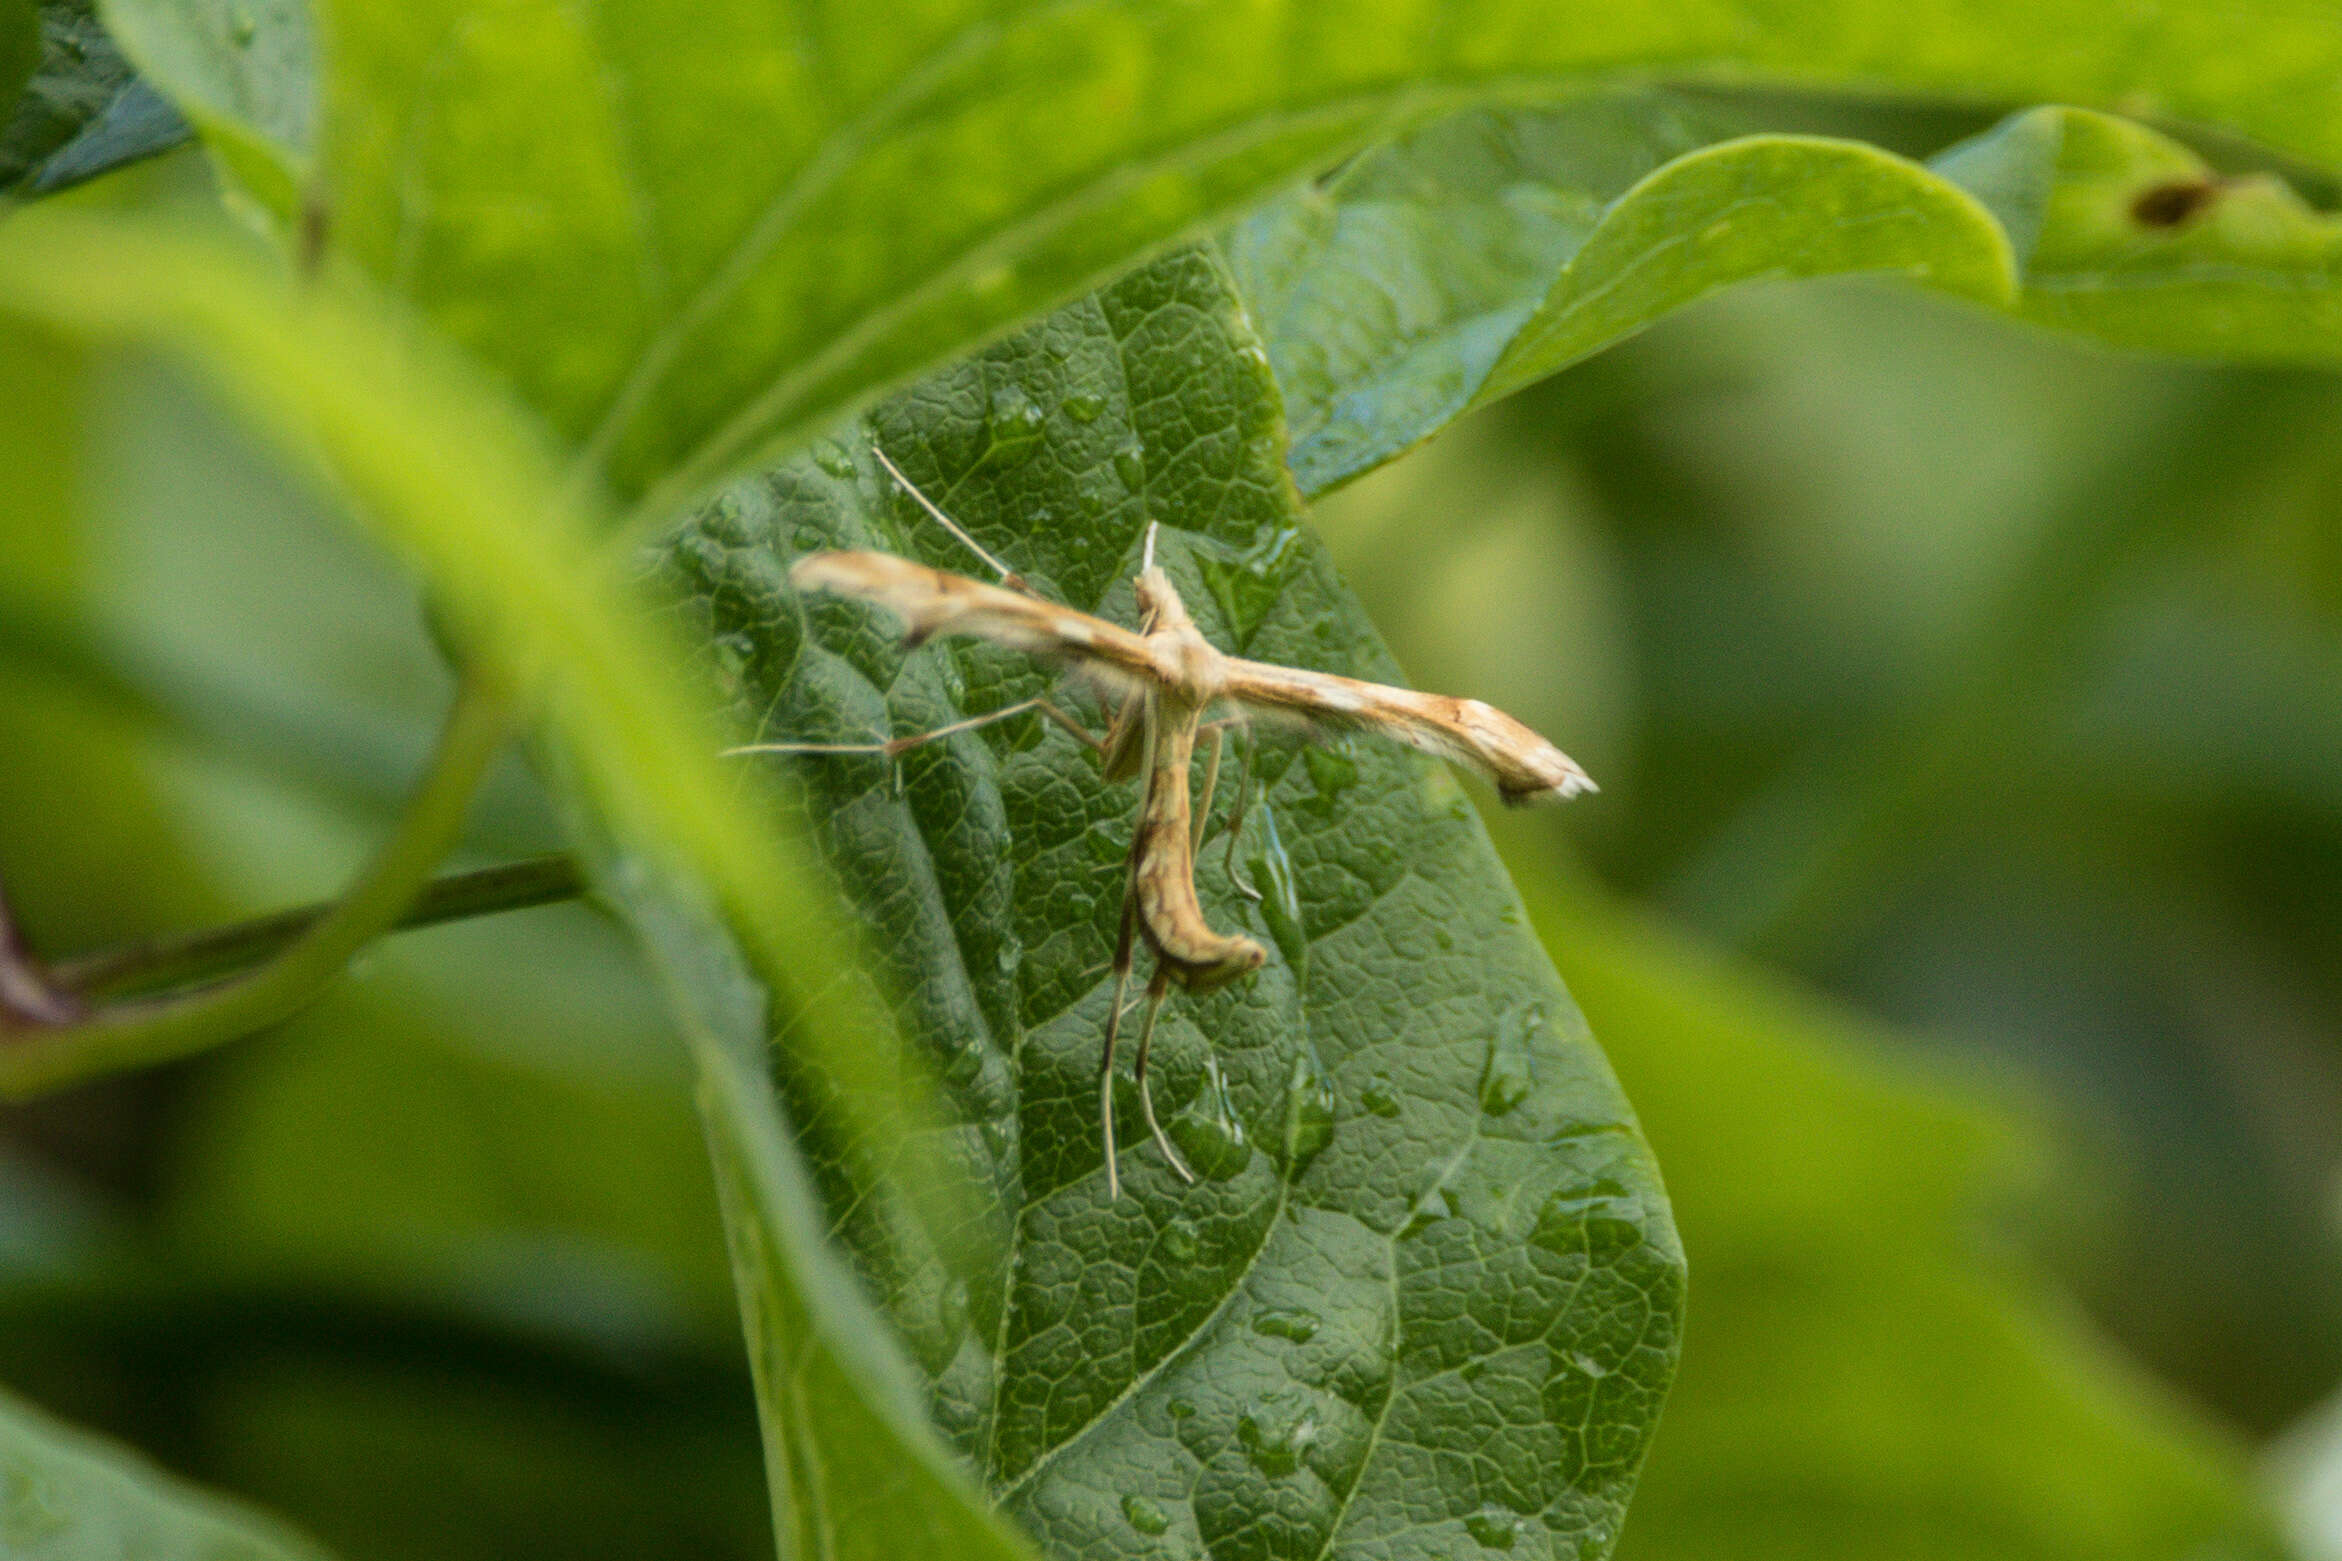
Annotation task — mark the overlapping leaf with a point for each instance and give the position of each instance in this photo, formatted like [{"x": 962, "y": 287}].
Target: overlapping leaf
[
  {"x": 1488, "y": 251},
  {"x": 687, "y": 232}
]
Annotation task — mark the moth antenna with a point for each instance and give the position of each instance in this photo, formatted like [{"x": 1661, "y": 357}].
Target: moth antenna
[
  {"x": 1147, "y": 555},
  {"x": 1008, "y": 576}
]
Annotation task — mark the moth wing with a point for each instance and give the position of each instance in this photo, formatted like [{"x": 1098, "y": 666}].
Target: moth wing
[
  {"x": 1523, "y": 766},
  {"x": 932, "y": 601}
]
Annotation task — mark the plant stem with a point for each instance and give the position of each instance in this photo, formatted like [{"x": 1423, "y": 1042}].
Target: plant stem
[
  {"x": 165, "y": 963},
  {"x": 37, "y": 1057}
]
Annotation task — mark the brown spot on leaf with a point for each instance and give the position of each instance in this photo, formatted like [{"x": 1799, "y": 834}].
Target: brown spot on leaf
[{"x": 2173, "y": 202}]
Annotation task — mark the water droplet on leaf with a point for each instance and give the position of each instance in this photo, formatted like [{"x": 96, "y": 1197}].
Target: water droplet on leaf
[
  {"x": 1130, "y": 464},
  {"x": 1145, "y": 1514},
  {"x": 1331, "y": 771},
  {"x": 1286, "y": 1322},
  {"x": 1276, "y": 1431},
  {"x": 1017, "y": 425},
  {"x": 1280, "y": 896},
  {"x": 1309, "y": 1109},
  {"x": 1380, "y": 1095},
  {"x": 1108, "y": 840},
  {"x": 1506, "y": 1080},
  {"x": 1083, "y": 406},
  {"x": 1494, "y": 1527},
  {"x": 832, "y": 458},
  {"x": 1180, "y": 1242},
  {"x": 1208, "y": 1131}
]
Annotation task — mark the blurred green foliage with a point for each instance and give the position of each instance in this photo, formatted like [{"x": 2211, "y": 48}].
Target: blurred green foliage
[{"x": 1981, "y": 680}]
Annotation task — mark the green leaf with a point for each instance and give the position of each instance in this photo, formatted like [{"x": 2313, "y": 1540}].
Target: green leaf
[
  {"x": 1492, "y": 249},
  {"x": 1499, "y": 246},
  {"x": 690, "y": 232},
  {"x": 449, "y": 476},
  {"x": 1760, "y": 206},
  {"x": 2126, "y": 235},
  {"x": 1425, "y": 1298},
  {"x": 244, "y": 71},
  {"x": 85, "y": 112},
  {"x": 67, "y": 1496},
  {"x": 851, "y": 1462},
  {"x": 1921, "y": 1398}
]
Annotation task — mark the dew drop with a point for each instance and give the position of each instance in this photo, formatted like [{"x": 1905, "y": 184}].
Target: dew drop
[
  {"x": 1017, "y": 423},
  {"x": 1380, "y": 1095},
  {"x": 1145, "y": 1514},
  {"x": 1180, "y": 1409},
  {"x": 1309, "y": 1109},
  {"x": 1287, "y": 1322},
  {"x": 1130, "y": 464},
  {"x": 1083, "y": 406},
  {"x": 1331, "y": 771},
  {"x": 1510, "y": 1072},
  {"x": 1208, "y": 1131},
  {"x": 734, "y": 653},
  {"x": 1494, "y": 1527},
  {"x": 1180, "y": 1242},
  {"x": 832, "y": 458},
  {"x": 1276, "y": 1431},
  {"x": 1280, "y": 892},
  {"x": 726, "y": 520},
  {"x": 1107, "y": 841},
  {"x": 1594, "y": 1218},
  {"x": 951, "y": 1310},
  {"x": 964, "y": 1065},
  {"x": 1011, "y": 954},
  {"x": 1587, "y": 1365},
  {"x": 1429, "y": 1210},
  {"x": 996, "y": 1138}
]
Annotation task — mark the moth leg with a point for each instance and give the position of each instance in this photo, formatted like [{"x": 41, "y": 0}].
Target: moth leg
[
  {"x": 1008, "y": 576},
  {"x": 895, "y": 748},
  {"x": 1243, "y": 885},
  {"x": 1156, "y": 988},
  {"x": 1125, "y": 945},
  {"x": 1203, "y": 809}
]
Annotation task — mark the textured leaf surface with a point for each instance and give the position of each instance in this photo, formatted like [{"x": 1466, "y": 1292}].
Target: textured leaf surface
[
  {"x": 67, "y": 1496},
  {"x": 1425, "y": 1298},
  {"x": 1851, "y": 1345},
  {"x": 688, "y": 230}
]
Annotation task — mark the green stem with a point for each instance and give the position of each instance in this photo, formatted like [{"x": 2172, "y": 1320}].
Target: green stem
[
  {"x": 167, "y": 963},
  {"x": 36, "y": 1058}
]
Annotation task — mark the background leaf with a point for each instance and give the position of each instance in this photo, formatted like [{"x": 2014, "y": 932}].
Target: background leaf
[
  {"x": 1485, "y": 252},
  {"x": 85, "y": 111},
  {"x": 1861, "y": 1379},
  {"x": 1426, "y": 1295},
  {"x": 70, "y": 1496},
  {"x": 689, "y": 235}
]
